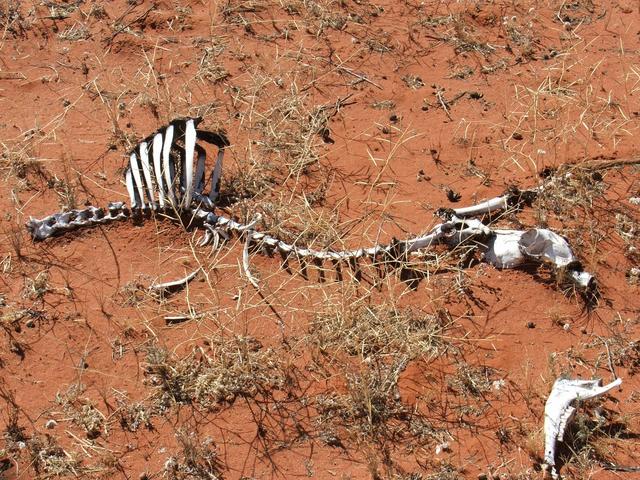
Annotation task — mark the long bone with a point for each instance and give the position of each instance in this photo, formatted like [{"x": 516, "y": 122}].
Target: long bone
[{"x": 560, "y": 408}]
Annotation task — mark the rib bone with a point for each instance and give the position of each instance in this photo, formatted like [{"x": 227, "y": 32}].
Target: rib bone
[{"x": 171, "y": 287}]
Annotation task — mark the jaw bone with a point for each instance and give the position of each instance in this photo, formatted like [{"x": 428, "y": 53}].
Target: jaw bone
[{"x": 560, "y": 408}]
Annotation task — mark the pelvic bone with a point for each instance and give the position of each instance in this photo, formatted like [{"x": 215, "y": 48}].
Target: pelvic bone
[{"x": 560, "y": 408}]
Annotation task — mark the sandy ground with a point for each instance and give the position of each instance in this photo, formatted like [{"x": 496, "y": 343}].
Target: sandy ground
[{"x": 350, "y": 123}]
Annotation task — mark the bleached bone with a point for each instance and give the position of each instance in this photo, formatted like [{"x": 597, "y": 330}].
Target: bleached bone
[
  {"x": 157, "y": 166},
  {"x": 137, "y": 180},
  {"x": 512, "y": 248},
  {"x": 483, "y": 208},
  {"x": 146, "y": 171},
  {"x": 167, "y": 165},
  {"x": 189, "y": 147},
  {"x": 503, "y": 249},
  {"x": 561, "y": 405},
  {"x": 245, "y": 251},
  {"x": 58, "y": 223},
  {"x": 513, "y": 198},
  {"x": 172, "y": 287},
  {"x": 546, "y": 246}
]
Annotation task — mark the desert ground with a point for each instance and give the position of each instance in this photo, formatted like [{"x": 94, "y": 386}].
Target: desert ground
[{"x": 351, "y": 122}]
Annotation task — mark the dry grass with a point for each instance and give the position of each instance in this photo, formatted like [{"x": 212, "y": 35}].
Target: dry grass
[
  {"x": 381, "y": 331},
  {"x": 230, "y": 368}
]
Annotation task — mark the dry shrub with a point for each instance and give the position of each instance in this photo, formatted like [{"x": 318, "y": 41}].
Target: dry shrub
[
  {"x": 231, "y": 368},
  {"x": 198, "y": 460},
  {"x": 381, "y": 330}
]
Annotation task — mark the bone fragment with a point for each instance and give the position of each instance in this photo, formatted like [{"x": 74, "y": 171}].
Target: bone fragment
[
  {"x": 245, "y": 252},
  {"x": 172, "y": 287},
  {"x": 130, "y": 189},
  {"x": 59, "y": 223},
  {"x": 176, "y": 319},
  {"x": 560, "y": 408},
  {"x": 503, "y": 249}
]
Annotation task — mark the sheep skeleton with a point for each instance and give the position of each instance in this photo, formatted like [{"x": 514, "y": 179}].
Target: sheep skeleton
[{"x": 166, "y": 181}]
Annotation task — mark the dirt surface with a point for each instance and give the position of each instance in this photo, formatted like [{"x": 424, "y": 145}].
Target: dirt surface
[{"x": 350, "y": 123}]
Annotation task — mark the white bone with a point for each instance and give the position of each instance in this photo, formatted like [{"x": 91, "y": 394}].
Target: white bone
[
  {"x": 189, "y": 147},
  {"x": 546, "y": 246},
  {"x": 483, "y": 208},
  {"x": 170, "y": 287},
  {"x": 560, "y": 407},
  {"x": 157, "y": 166},
  {"x": 146, "y": 170},
  {"x": 582, "y": 279},
  {"x": 245, "y": 251},
  {"x": 167, "y": 164},
  {"x": 135, "y": 169},
  {"x": 503, "y": 249},
  {"x": 206, "y": 238},
  {"x": 130, "y": 188}
]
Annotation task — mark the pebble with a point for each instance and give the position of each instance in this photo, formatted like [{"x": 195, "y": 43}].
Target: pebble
[
  {"x": 51, "y": 424},
  {"x": 443, "y": 447}
]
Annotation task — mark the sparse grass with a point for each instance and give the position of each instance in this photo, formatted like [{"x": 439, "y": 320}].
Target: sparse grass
[
  {"x": 75, "y": 33},
  {"x": 471, "y": 380}
]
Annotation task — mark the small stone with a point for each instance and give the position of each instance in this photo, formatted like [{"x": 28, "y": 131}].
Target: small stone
[
  {"x": 30, "y": 323},
  {"x": 531, "y": 325},
  {"x": 517, "y": 136},
  {"x": 51, "y": 424},
  {"x": 443, "y": 447},
  {"x": 566, "y": 327},
  {"x": 499, "y": 384}
]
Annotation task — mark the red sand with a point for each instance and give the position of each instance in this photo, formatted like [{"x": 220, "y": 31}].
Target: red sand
[{"x": 484, "y": 95}]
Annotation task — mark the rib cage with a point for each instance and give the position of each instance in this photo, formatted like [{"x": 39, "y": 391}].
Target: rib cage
[{"x": 163, "y": 175}]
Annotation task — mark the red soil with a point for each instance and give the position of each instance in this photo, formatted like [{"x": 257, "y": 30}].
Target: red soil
[{"x": 485, "y": 95}]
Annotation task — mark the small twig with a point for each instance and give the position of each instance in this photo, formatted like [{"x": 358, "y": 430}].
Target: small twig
[
  {"x": 363, "y": 78},
  {"x": 443, "y": 102}
]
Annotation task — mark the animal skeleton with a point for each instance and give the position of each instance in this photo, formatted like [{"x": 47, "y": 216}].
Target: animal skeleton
[
  {"x": 163, "y": 176},
  {"x": 560, "y": 409}
]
